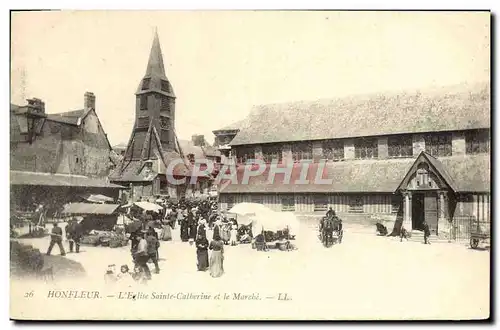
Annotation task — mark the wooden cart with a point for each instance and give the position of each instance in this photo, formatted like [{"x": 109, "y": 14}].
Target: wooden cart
[{"x": 480, "y": 232}]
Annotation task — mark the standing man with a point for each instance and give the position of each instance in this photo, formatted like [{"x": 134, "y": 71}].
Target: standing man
[
  {"x": 427, "y": 233},
  {"x": 330, "y": 213},
  {"x": 75, "y": 233},
  {"x": 152, "y": 245},
  {"x": 141, "y": 256},
  {"x": 56, "y": 238}
]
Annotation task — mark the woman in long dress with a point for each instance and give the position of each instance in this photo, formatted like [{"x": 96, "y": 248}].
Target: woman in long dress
[
  {"x": 166, "y": 232},
  {"x": 216, "y": 257},
  {"x": 202, "y": 253},
  {"x": 226, "y": 232}
]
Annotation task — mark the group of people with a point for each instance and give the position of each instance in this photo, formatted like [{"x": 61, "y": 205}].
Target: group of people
[
  {"x": 195, "y": 219},
  {"x": 74, "y": 233},
  {"x": 125, "y": 277}
]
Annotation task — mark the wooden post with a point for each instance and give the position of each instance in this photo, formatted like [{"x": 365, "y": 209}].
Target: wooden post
[{"x": 407, "y": 211}]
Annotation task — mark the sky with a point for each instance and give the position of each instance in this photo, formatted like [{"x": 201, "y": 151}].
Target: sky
[{"x": 221, "y": 63}]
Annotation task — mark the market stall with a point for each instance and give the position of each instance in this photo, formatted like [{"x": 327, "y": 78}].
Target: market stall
[
  {"x": 276, "y": 228},
  {"x": 98, "y": 223}
]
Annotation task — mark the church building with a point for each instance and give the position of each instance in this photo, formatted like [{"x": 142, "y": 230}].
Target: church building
[
  {"x": 402, "y": 157},
  {"x": 153, "y": 161}
]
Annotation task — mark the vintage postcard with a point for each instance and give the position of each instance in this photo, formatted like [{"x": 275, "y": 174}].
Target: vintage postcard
[{"x": 250, "y": 165}]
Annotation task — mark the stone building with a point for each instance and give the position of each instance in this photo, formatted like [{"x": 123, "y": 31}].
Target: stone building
[
  {"x": 55, "y": 157},
  {"x": 154, "y": 159},
  {"x": 409, "y": 156}
]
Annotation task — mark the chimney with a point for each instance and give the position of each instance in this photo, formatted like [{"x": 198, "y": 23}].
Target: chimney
[
  {"x": 198, "y": 140},
  {"x": 36, "y": 105},
  {"x": 89, "y": 101}
]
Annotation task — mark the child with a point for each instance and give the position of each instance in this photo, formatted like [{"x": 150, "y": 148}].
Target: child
[
  {"x": 110, "y": 276},
  {"x": 234, "y": 233},
  {"x": 138, "y": 275},
  {"x": 124, "y": 277}
]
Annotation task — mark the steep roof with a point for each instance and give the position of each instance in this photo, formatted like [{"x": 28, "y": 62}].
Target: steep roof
[
  {"x": 155, "y": 72},
  {"x": 70, "y": 117},
  {"x": 472, "y": 174},
  {"x": 449, "y": 108}
]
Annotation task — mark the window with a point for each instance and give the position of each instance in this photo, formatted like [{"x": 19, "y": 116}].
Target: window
[
  {"x": 477, "y": 142},
  {"x": 165, "y": 103},
  {"x": 257, "y": 199},
  {"x": 400, "y": 146},
  {"x": 230, "y": 202},
  {"x": 145, "y": 83},
  {"x": 302, "y": 151},
  {"x": 164, "y": 122},
  {"x": 356, "y": 204},
  {"x": 366, "y": 148},
  {"x": 395, "y": 204},
  {"x": 333, "y": 150},
  {"x": 271, "y": 152},
  {"x": 143, "y": 122},
  {"x": 245, "y": 154},
  {"x": 320, "y": 203},
  {"x": 438, "y": 145},
  {"x": 144, "y": 102},
  {"x": 288, "y": 203},
  {"x": 77, "y": 160},
  {"x": 165, "y": 86}
]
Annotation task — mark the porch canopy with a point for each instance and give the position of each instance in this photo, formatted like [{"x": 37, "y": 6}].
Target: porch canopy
[
  {"x": 90, "y": 208},
  {"x": 20, "y": 178},
  {"x": 431, "y": 186}
]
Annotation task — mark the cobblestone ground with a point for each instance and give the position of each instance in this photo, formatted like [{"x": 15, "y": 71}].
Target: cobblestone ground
[{"x": 365, "y": 277}]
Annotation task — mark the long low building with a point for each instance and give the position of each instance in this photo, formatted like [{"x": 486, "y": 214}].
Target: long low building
[{"x": 404, "y": 157}]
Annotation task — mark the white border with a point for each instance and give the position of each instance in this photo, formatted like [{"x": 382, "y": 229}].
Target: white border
[{"x": 177, "y": 5}]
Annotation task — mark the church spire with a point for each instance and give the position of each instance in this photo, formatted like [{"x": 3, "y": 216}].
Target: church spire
[
  {"x": 155, "y": 66},
  {"x": 155, "y": 79}
]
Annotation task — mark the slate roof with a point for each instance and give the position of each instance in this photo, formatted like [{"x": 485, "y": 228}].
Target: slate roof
[
  {"x": 472, "y": 174},
  {"x": 449, "y": 108},
  {"x": 58, "y": 180}
]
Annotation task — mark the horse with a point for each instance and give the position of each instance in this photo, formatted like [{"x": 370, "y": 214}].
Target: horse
[{"x": 327, "y": 229}]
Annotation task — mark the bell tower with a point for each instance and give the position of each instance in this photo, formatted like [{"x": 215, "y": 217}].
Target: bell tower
[{"x": 155, "y": 100}]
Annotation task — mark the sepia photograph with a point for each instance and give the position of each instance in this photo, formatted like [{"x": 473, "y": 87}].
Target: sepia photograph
[{"x": 250, "y": 165}]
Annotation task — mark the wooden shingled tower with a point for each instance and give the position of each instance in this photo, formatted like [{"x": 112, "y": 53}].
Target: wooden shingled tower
[{"x": 153, "y": 139}]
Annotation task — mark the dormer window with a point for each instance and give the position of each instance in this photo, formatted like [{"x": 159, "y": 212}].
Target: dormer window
[
  {"x": 145, "y": 83},
  {"x": 165, "y": 86}
]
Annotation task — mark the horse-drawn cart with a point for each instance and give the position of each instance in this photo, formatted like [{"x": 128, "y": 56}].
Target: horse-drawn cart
[
  {"x": 480, "y": 232},
  {"x": 330, "y": 231}
]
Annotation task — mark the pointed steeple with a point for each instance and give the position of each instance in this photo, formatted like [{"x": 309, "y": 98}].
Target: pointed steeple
[
  {"x": 155, "y": 66},
  {"x": 155, "y": 79}
]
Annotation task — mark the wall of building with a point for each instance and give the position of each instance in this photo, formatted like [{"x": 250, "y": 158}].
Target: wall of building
[
  {"x": 418, "y": 144},
  {"x": 96, "y": 149},
  {"x": 66, "y": 149},
  {"x": 376, "y": 207}
]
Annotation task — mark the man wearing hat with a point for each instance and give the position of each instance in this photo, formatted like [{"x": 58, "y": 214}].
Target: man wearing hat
[{"x": 74, "y": 232}]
